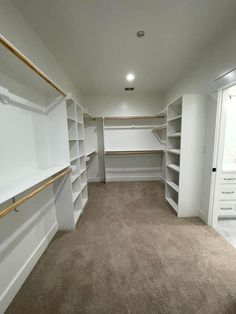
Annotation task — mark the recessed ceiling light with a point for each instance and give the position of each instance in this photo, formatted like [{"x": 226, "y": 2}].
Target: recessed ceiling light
[{"x": 130, "y": 77}]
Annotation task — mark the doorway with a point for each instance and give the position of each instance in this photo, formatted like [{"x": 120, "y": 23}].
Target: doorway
[{"x": 223, "y": 218}]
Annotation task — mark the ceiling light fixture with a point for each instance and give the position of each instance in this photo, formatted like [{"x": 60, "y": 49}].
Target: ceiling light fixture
[
  {"x": 130, "y": 77},
  {"x": 140, "y": 34}
]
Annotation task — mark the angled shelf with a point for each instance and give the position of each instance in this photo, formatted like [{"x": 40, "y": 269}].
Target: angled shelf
[{"x": 174, "y": 151}]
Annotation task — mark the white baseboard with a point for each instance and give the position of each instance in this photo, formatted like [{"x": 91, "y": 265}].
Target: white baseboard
[
  {"x": 96, "y": 179},
  {"x": 125, "y": 179},
  {"x": 20, "y": 277},
  {"x": 203, "y": 216}
]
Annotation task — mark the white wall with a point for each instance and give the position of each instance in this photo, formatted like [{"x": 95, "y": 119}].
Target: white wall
[
  {"x": 200, "y": 77},
  {"x": 18, "y": 31},
  {"x": 123, "y": 105}
]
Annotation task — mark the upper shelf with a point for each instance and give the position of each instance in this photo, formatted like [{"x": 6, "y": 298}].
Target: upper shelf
[
  {"x": 12, "y": 189},
  {"x": 160, "y": 115},
  {"x": 134, "y": 152},
  {"x": 134, "y": 117}
]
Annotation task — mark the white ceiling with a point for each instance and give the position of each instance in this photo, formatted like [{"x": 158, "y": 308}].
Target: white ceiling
[{"x": 95, "y": 40}]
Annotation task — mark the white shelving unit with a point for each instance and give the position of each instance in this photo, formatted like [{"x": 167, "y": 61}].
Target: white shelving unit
[
  {"x": 75, "y": 125},
  {"x": 185, "y": 153},
  {"x": 134, "y": 147}
]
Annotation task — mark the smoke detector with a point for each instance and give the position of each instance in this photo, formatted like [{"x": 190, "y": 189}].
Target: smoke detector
[{"x": 140, "y": 34}]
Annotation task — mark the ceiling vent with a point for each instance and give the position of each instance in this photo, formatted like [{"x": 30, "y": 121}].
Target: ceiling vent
[{"x": 129, "y": 88}]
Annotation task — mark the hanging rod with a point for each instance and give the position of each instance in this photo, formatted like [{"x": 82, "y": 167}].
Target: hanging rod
[
  {"x": 21, "y": 201},
  {"x": 29, "y": 63}
]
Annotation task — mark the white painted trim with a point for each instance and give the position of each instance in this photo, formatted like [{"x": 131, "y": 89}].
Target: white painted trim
[
  {"x": 21, "y": 276},
  {"x": 212, "y": 215},
  {"x": 128, "y": 179},
  {"x": 203, "y": 215},
  {"x": 133, "y": 170},
  {"x": 95, "y": 179}
]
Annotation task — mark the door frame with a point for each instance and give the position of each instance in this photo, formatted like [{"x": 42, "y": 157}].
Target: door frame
[{"x": 217, "y": 156}]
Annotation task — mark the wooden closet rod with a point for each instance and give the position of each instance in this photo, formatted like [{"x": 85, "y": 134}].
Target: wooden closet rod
[
  {"x": 29, "y": 63},
  {"x": 21, "y": 201}
]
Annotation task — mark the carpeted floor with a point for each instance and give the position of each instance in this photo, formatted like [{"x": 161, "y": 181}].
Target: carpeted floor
[{"x": 131, "y": 254}]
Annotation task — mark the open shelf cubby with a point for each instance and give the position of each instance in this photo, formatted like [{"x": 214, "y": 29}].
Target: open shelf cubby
[
  {"x": 172, "y": 197},
  {"x": 82, "y": 164},
  {"x": 175, "y": 110},
  {"x": 80, "y": 131},
  {"x": 71, "y": 110},
  {"x": 72, "y": 132},
  {"x": 74, "y": 151},
  {"x": 80, "y": 115},
  {"x": 81, "y": 148}
]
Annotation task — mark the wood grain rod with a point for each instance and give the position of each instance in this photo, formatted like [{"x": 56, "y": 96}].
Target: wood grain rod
[
  {"x": 30, "y": 64},
  {"x": 24, "y": 199}
]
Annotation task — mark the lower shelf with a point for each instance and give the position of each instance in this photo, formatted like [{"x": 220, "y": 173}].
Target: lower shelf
[
  {"x": 84, "y": 202},
  {"x": 173, "y": 185},
  {"x": 172, "y": 203},
  {"x": 77, "y": 215}
]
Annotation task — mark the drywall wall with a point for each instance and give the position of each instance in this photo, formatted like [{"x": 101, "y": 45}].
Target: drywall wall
[
  {"x": 200, "y": 78},
  {"x": 123, "y": 104},
  {"x": 24, "y": 236},
  {"x": 18, "y": 31}
]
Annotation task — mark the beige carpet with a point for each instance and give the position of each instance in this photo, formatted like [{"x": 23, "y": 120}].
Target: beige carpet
[{"x": 131, "y": 254}]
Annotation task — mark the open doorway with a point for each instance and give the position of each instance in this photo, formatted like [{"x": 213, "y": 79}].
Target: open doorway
[{"x": 224, "y": 187}]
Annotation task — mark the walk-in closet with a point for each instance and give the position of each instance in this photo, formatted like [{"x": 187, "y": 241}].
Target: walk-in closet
[{"x": 117, "y": 157}]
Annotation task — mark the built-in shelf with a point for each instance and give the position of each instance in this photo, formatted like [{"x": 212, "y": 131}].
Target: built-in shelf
[
  {"x": 77, "y": 215},
  {"x": 83, "y": 185},
  {"x": 172, "y": 203},
  {"x": 175, "y": 118},
  {"x": 75, "y": 195},
  {"x": 74, "y": 177},
  {"x": 174, "y": 151},
  {"x": 76, "y": 145},
  {"x": 84, "y": 202},
  {"x": 158, "y": 116},
  {"x": 134, "y": 152},
  {"x": 127, "y": 127},
  {"x": 71, "y": 119},
  {"x": 12, "y": 189},
  {"x": 173, "y": 167},
  {"x": 74, "y": 158},
  {"x": 173, "y": 185},
  {"x": 175, "y": 135}
]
